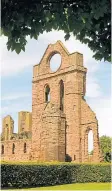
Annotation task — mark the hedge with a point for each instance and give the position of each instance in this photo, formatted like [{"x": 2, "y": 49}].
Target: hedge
[{"x": 21, "y": 176}]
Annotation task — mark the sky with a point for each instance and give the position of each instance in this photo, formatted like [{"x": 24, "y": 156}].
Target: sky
[{"x": 16, "y": 78}]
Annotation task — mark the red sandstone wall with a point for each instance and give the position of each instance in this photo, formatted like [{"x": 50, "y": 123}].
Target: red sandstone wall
[
  {"x": 71, "y": 72},
  {"x": 48, "y": 136},
  {"x": 19, "y": 150},
  {"x": 89, "y": 122}
]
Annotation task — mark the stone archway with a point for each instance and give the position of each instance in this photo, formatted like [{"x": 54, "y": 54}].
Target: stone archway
[
  {"x": 86, "y": 145},
  {"x": 96, "y": 147},
  {"x": 90, "y": 145}
]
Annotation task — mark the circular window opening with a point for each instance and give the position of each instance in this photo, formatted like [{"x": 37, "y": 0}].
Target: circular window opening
[{"x": 55, "y": 62}]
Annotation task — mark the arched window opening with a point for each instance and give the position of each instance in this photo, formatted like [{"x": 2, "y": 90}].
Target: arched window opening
[
  {"x": 13, "y": 148},
  {"x": 74, "y": 157},
  {"x": 24, "y": 147},
  {"x": 90, "y": 142},
  {"x": 2, "y": 152},
  {"x": 7, "y": 131},
  {"x": 61, "y": 95},
  {"x": 47, "y": 94}
]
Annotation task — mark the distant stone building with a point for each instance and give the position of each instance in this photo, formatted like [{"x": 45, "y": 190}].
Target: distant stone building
[
  {"x": 16, "y": 146},
  {"x": 57, "y": 129}
]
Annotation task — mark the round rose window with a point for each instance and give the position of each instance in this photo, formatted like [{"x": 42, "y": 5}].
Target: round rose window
[{"x": 55, "y": 62}]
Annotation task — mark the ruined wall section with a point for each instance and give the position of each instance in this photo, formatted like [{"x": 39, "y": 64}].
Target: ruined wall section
[
  {"x": 16, "y": 146},
  {"x": 72, "y": 111},
  {"x": 87, "y": 115},
  {"x": 89, "y": 122},
  {"x": 69, "y": 61},
  {"x": 53, "y": 134},
  {"x": 19, "y": 153},
  {"x": 43, "y": 67},
  {"x": 7, "y": 127},
  {"x": 24, "y": 121}
]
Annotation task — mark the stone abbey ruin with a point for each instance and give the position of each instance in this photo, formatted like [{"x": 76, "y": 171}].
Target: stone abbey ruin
[{"x": 58, "y": 127}]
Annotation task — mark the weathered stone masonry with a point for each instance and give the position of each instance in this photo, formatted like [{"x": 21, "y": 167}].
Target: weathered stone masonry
[
  {"x": 61, "y": 123},
  {"x": 16, "y": 146}
]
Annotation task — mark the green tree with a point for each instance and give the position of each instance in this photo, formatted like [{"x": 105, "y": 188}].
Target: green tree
[
  {"x": 105, "y": 144},
  {"x": 87, "y": 20}
]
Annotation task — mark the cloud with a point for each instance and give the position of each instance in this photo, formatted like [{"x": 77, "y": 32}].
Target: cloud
[
  {"x": 11, "y": 66},
  {"x": 13, "y": 63},
  {"x": 15, "y": 96},
  {"x": 93, "y": 89},
  {"x": 11, "y": 107}
]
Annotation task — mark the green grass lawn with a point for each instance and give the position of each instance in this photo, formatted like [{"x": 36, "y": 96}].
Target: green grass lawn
[
  {"x": 77, "y": 186},
  {"x": 81, "y": 186}
]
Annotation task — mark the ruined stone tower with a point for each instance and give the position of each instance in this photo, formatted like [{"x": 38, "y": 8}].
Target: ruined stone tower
[
  {"x": 58, "y": 127},
  {"x": 7, "y": 127},
  {"x": 61, "y": 118},
  {"x": 24, "y": 121}
]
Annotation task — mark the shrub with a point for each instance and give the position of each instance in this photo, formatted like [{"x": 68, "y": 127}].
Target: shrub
[{"x": 36, "y": 175}]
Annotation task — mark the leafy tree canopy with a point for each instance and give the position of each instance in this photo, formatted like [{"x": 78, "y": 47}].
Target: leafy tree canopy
[
  {"x": 88, "y": 20},
  {"x": 105, "y": 143}
]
